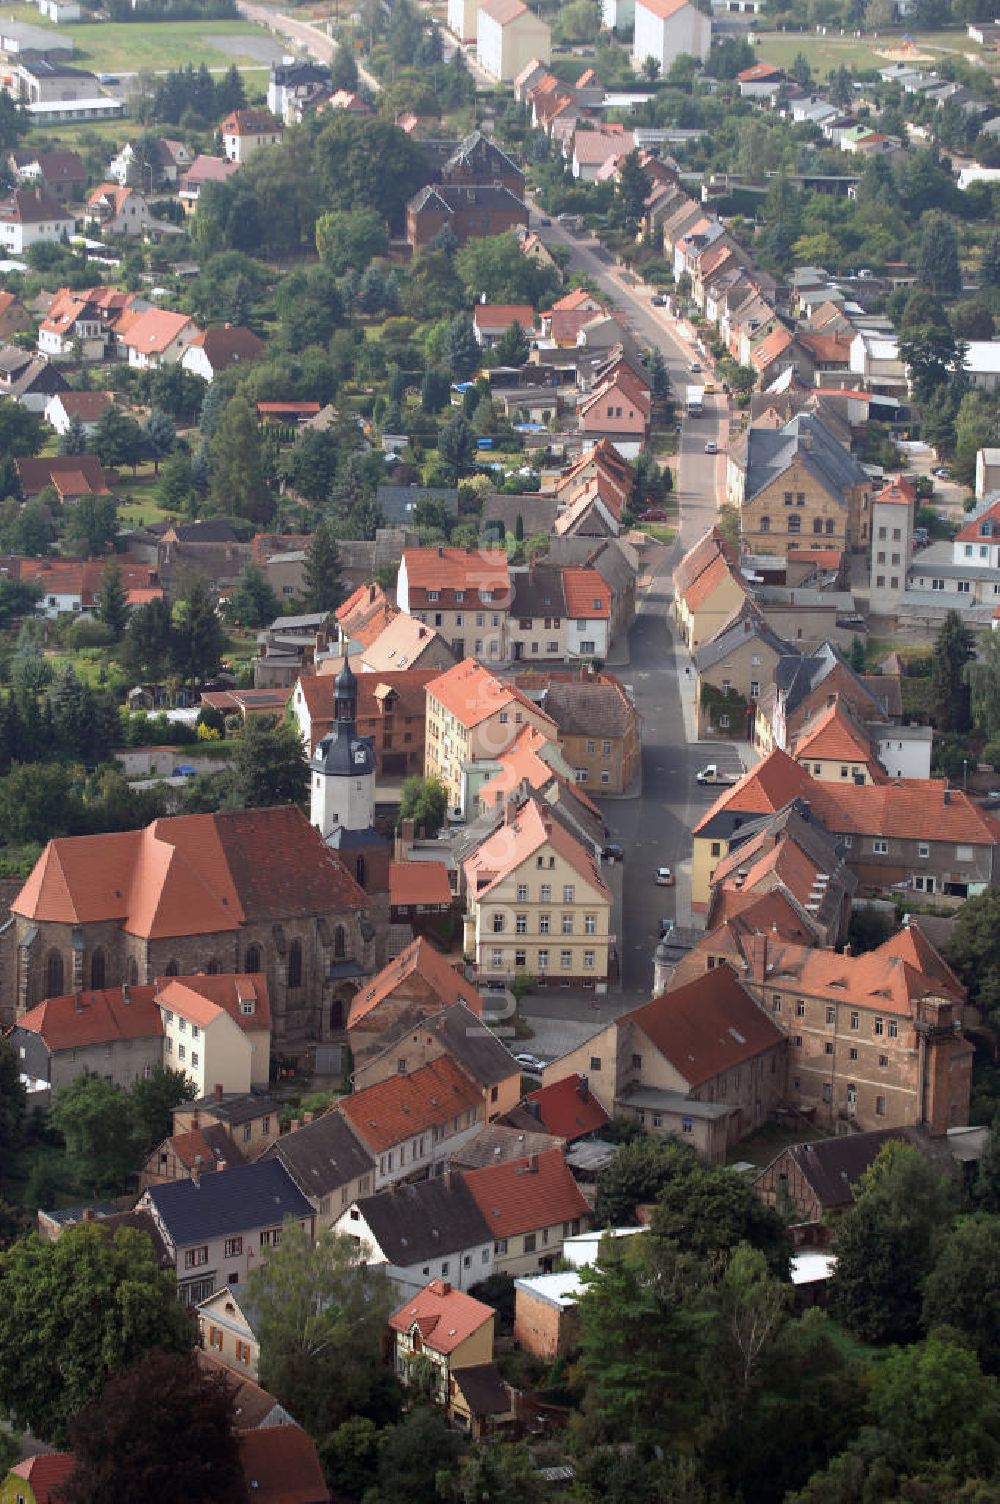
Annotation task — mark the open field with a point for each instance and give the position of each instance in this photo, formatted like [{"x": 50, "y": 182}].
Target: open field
[
  {"x": 127, "y": 47},
  {"x": 833, "y": 51}
]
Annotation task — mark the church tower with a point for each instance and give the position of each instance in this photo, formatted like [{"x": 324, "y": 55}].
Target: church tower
[{"x": 342, "y": 769}]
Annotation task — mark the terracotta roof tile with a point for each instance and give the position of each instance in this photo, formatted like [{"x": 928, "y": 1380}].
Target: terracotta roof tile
[
  {"x": 446, "y": 1317},
  {"x": 834, "y": 734},
  {"x": 390, "y": 1111},
  {"x": 420, "y": 957},
  {"x": 511, "y": 845},
  {"x": 707, "y": 1026},
  {"x": 503, "y": 315},
  {"x": 523, "y": 1195},
  {"x": 766, "y": 788},
  {"x": 401, "y": 693},
  {"x": 155, "y": 330},
  {"x": 568, "y": 1110},
  {"x": 472, "y": 694},
  {"x": 46, "y": 1474},
  {"x": 983, "y": 528},
  {"x": 200, "y": 999},
  {"x": 94, "y": 1018},
  {"x": 587, "y": 594},
  {"x": 401, "y": 644},
  {"x": 418, "y": 883},
  {"x": 481, "y": 573},
  {"x": 281, "y": 1466},
  {"x": 719, "y": 572}
]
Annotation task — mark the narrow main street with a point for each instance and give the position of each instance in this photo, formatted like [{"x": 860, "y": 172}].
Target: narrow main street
[{"x": 655, "y": 828}]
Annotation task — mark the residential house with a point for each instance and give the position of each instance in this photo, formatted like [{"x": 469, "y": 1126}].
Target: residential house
[
  {"x": 508, "y": 36},
  {"x": 463, "y": 19},
  {"x": 254, "y": 891},
  {"x": 618, "y": 410},
  {"x": 428, "y": 1230},
  {"x": 73, "y": 586},
  {"x": 491, "y": 321},
  {"x": 202, "y": 170},
  {"x": 220, "y": 348},
  {"x": 537, "y": 903},
  {"x": 392, "y": 709},
  {"x": 71, "y": 476},
  {"x": 567, "y": 1109},
  {"x": 219, "y": 1227},
  {"x": 536, "y": 625},
  {"x": 290, "y": 75},
  {"x": 411, "y": 1123},
  {"x": 666, "y": 29},
  {"x": 417, "y": 983},
  {"x": 248, "y": 1119},
  {"x": 454, "y": 1333},
  {"x": 455, "y": 1032},
  {"x": 530, "y": 762},
  {"x": 28, "y": 379},
  {"x": 81, "y": 325},
  {"x": 225, "y": 1330},
  {"x": 734, "y": 668},
  {"x": 469, "y": 210},
  {"x": 158, "y": 338},
  {"x": 61, "y": 173},
  {"x": 328, "y": 1163},
  {"x": 894, "y": 509},
  {"x": 800, "y": 482},
  {"x": 812, "y": 1184},
  {"x": 281, "y": 1466},
  {"x": 38, "y": 1479},
  {"x": 419, "y": 893},
  {"x": 478, "y": 159},
  {"x": 617, "y": 564},
  {"x": 530, "y": 1205},
  {"x": 705, "y": 1062},
  {"x": 160, "y": 164},
  {"x": 217, "y": 1029},
  {"x": 834, "y": 747},
  {"x": 564, "y": 320},
  {"x": 32, "y": 216},
  {"x": 198, "y": 1152},
  {"x": 472, "y": 717},
  {"x": 14, "y": 317},
  {"x": 254, "y": 1408},
  {"x": 806, "y": 683},
  {"x": 87, "y": 408},
  {"x": 410, "y": 643},
  {"x": 708, "y": 591},
  {"x": 245, "y": 131},
  {"x": 591, "y": 150},
  {"x": 987, "y": 472},
  {"x": 597, "y": 725},
  {"x": 588, "y": 613},
  {"x": 765, "y": 789},
  {"x": 115, "y": 1033},
  {"x": 118, "y": 210},
  {"x": 399, "y": 504}
]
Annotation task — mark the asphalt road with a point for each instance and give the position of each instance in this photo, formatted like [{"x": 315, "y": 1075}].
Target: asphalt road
[{"x": 655, "y": 829}]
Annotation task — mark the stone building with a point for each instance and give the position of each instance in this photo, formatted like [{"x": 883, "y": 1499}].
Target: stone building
[{"x": 248, "y": 891}]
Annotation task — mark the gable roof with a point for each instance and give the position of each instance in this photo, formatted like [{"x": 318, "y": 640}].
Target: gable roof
[
  {"x": 419, "y": 883},
  {"x": 201, "y": 999},
  {"x": 228, "y": 345},
  {"x": 503, "y": 315},
  {"x": 804, "y": 439},
  {"x": 419, "y": 957},
  {"x": 982, "y": 527},
  {"x": 384, "y": 1114},
  {"x": 511, "y": 844},
  {"x": 476, "y": 1048},
  {"x": 446, "y": 1317},
  {"x": 93, "y": 1018},
  {"x": 70, "y": 474},
  {"x": 832, "y": 1167},
  {"x": 568, "y": 1109},
  {"x": 834, "y": 734},
  {"x": 587, "y": 595},
  {"x": 155, "y": 330},
  {"x": 322, "y": 1156},
  {"x": 589, "y": 707},
  {"x": 522, "y": 1195},
  {"x": 427, "y": 1219},
  {"x": 472, "y": 694},
  {"x": 707, "y": 1026},
  {"x": 281, "y": 1466},
  {"x": 190, "y": 874},
  {"x": 400, "y": 644},
  {"x": 46, "y": 1474},
  {"x": 237, "y": 1200},
  {"x": 766, "y": 788}
]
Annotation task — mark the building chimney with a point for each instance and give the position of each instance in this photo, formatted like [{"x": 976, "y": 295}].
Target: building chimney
[
  {"x": 583, "y": 1089},
  {"x": 220, "y": 1164},
  {"x": 194, "y": 1118},
  {"x": 371, "y": 594},
  {"x": 307, "y": 1117},
  {"x": 218, "y": 1091},
  {"x": 445, "y": 1286},
  {"x": 947, "y": 795},
  {"x": 196, "y": 1171},
  {"x": 757, "y": 957}
]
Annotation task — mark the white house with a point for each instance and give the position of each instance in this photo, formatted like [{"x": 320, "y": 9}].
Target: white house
[
  {"x": 89, "y": 407},
  {"x": 158, "y": 338},
  {"x": 664, "y": 29},
  {"x": 430, "y": 1230},
  {"x": 118, "y": 210},
  {"x": 30, "y": 215},
  {"x": 245, "y": 131},
  {"x": 509, "y": 36},
  {"x": 588, "y": 613},
  {"x": 463, "y": 19}
]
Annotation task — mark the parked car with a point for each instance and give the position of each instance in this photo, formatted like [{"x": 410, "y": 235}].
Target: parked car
[
  {"x": 545, "y": 220},
  {"x": 659, "y": 300},
  {"x": 695, "y": 365},
  {"x": 942, "y": 472},
  {"x": 655, "y": 514},
  {"x": 531, "y": 1064},
  {"x": 664, "y": 877},
  {"x": 711, "y": 447},
  {"x": 710, "y": 774},
  {"x": 613, "y": 852}
]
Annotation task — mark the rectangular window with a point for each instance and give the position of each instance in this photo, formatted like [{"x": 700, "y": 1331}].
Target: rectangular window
[
  {"x": 233, "y": 1247},
  {"x": 893, "y": 1030},
  {"x": 567, "y": 924},
  {"x": 878, "y": 1027},
  {"x": 520, "y": 959},
  {"x": 498, "y": 923},
  {"x": 520, "y": 924},
  {"x": 569, "y": 893},
  {"x": 243, "y": 1353},
  {"x": 855, "y": 1021},
  {"x": 544, "y": 921},
  {"x": 194, "y": 1258},
  {"x": 880, "y": 1107},
  {"x": 595, "y": 1062},
  {"x": 522, "y": 892},
  {"x": 831, "y": 1015},
  {"x": 883, "y": 1061},
  {"x": 497, "y": 960},
  {"x": 828, "y": 1047},
  {"x": 543, "y": 960},
  {"x": 590, "y": 924},
  {"x": 880, "y": 846},
  {"x": 800, "y": 1009},
  {"x": 565, "y": 960},
  {"x": 852, "y": 1053},
  {"x": 923, "y": 849},
  {"x": 588, "y": 960},
  {"x": 530, "y": 1242},
  {"x": 545, "y": 896}
]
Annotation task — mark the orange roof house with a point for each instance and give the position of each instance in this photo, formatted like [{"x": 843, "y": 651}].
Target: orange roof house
[
  {"x": 437, "y": 1100},
  {"x": 444, "y": 1317},
  {"x": 158, "y": 337},
  {"x": 420, "y": 886},
  {"x": 567, "y": 1108},
  {"x": 405, "y": 642},
  {"x": 421, "y": 979},
  {"x": 70, "y": 475},
  {"x": 587, "y": 594},
  {"x": 521, "y": 1196},
  {"x": 451, "y": 578},
  {"x": 281, "y": 1466},
  {"x": 492, "y": 320},
  {"x": 201, "y": 998},
  {"x": 833, "y": 745}
]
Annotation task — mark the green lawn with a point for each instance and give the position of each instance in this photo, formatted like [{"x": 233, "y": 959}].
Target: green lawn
[
  {"x": 142, "y": 506},
  {"x": 768, "y": 1142},
  {"x": 658, "y": 531},
  {"x": 833, "y": 51},
  {"x": 107, "y": 46}
]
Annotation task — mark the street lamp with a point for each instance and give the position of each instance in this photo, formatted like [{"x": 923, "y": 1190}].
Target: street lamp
[{"x": 965, "y": 774}]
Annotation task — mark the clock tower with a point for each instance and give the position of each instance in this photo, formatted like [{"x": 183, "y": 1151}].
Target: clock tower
[{"x": 342, "y": 769}]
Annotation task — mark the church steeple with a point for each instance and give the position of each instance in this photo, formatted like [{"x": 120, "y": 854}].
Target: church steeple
[
  {"x": 342, "y": 768},
  {"x": 345, "y": 697}
]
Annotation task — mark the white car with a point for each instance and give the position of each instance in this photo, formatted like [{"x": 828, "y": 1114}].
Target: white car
[
  {"x": 664, "y": 877},
  {"x": 531, "y": 1064},
  {"x": 711, "y": 447}
]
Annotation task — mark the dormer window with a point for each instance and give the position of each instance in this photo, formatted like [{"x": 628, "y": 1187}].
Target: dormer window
[
  {"x": 247, "y": 1006},
  {"x": 433, "y": 595}
]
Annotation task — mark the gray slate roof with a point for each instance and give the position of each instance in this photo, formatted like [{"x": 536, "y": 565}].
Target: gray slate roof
[
  {"x": 587, "y": 709},
  {"x": 397, "y": 503},
  {"x": 322, "y": 1156},
  {"x": 770, "y": 452},
  {"x": 413, "y": 1223},
  {"x": 228, "y": 1201},
  {"x": 538, "y": 592},
  {"x": 476, "y": 1048}
]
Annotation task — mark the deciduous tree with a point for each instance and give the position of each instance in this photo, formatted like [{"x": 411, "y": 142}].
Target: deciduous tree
[
  {"x": 269, "y": 766},
  {"x": 425, "y": 802}
]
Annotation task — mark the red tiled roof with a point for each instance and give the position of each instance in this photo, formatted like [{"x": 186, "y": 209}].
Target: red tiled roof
[
  {"x": 92, "y": 1018},
  {"x": 719, "y": 572},
  {"x": 249, "y": 123},
  {"x": 445, "y": 1316},
  {"x": 587, "y": 594},
  {"x": 566, "y": 1112},
  {"x": 46, "y": 1474},
  {"x": 707, "y": 1026},
  {"x": 482, "y": 573},
  {"x": 897, "y": 488},
  {"x": 523, "y": 1195},
  {"x": 281, "y": 1466},
  {"x": 391, "y": 1111},
  {"x": 190, "y": 875},
  {"x": 834, "y": 735},
  {"x": 400, "y": 644},
  {"x": 229, "y": 345},
  {"x": 908, "y": 809},
  {"x": 401, "y": 693},
  {"x": 87, "y": 406},
  {"x": 503, "y": 315},
  {"x": 472, "y": 694},
  {"x": 766, "y": 788},
  {"x": 885, "y": 979},
  {"x": 201, "y": 998},
  {"x": 420, "y": 957},
  {"x": 418, "y": 883},
  {"x": 973, "y": 532},
  {"x": 512, "y": 844},
  {"x": 155, "y": 330},
  {"x": 70, "y": 474}
]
